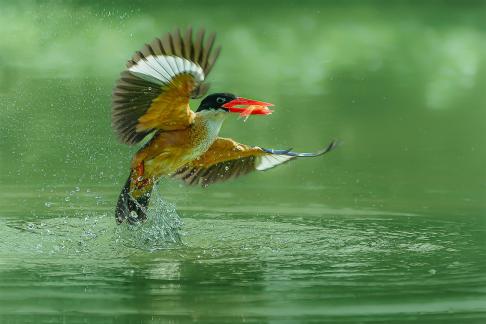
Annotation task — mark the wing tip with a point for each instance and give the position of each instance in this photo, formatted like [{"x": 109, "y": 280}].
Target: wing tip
[{"x": 330, "y": 147}]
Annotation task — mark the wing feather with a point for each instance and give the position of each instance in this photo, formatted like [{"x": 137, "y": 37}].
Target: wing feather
[
  {"x": 198, "y": 45},
  {"x": 154, "y": 90},
  {"x": 227, "y": 159},
  {"x": 207, "y": 52}
]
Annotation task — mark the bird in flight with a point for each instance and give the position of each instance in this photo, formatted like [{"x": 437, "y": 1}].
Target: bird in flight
[{"x": 152, "y": 97}]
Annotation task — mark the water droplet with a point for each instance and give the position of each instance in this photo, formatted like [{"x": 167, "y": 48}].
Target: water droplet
[
  {"x": 67, "y": 198},
  {"x": 48, "y": 204}
]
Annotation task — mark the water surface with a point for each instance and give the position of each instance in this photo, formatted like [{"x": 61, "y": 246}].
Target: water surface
[{"x": 390, "y": 227}]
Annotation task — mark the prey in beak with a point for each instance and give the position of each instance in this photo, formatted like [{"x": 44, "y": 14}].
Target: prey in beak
[{"x": 246, "y": 107}]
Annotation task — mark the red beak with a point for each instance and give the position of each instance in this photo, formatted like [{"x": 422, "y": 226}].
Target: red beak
[{"x": 248, "y": 107}]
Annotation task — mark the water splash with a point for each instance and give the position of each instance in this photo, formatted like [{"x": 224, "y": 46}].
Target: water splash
[
  {"x": 160, "y": 231},
  {"x": 71, "y": 228}
]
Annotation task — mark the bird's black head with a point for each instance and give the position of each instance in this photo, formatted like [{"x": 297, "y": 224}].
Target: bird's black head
[{"x": 216, "y": 101}]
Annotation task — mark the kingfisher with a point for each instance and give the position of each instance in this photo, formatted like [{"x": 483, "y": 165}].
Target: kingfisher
[{"x": 151, "y": 98}]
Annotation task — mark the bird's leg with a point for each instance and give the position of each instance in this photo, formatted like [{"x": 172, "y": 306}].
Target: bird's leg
[
  {"x": 138, "y": 179},
  {"x": 140, "y": 168},
  {"x": 139, "y": 194}
]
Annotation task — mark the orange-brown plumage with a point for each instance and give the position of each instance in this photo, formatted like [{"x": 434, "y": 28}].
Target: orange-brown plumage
[
  {"x": 170, "y": 110},
  {"x": 224, "y": 149},
  {"x": 167, "y": 151}
]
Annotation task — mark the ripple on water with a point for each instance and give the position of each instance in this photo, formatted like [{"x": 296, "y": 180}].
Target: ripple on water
[{"x": 362, "y": 253}]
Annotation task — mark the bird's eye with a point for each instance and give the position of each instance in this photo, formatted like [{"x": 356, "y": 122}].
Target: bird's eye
[{"x": 220, "y": 100}]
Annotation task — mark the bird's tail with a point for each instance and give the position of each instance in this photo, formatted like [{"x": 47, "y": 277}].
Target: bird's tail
[{"x": 129, "y": 208}]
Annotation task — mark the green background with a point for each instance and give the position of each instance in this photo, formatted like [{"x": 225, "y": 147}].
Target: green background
[{"x": 390, "y": 227}]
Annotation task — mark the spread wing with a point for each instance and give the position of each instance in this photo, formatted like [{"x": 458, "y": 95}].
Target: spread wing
[
  {"x": 227, "y": 159},
  {"x": 154, "y": 90}
]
